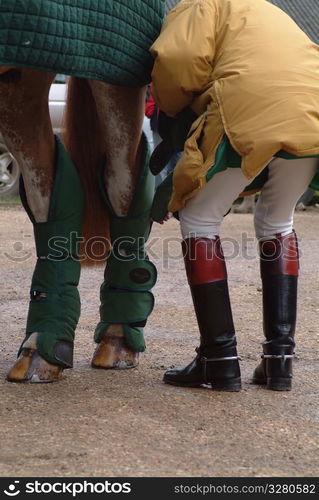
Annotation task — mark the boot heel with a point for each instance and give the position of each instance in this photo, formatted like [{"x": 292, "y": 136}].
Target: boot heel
[
  {"x": 278, "y": 369},
  {"x": 279, "y": 383},
  {"x": 227, "y": 385}
]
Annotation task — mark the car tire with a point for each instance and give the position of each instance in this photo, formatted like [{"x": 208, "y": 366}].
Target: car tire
[{"x": 9, "y": 172}]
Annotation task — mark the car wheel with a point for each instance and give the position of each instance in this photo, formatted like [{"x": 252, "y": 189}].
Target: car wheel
[{"x": 9, "y": 172}]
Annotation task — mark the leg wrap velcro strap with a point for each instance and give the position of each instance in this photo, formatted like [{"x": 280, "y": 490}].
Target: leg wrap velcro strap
[
  {"x": 129, "y": 275},
  {"x": 54, "y": 308},
  {"x": 126, "y": 299},
  {"x": 127, "y": 308},
  {"x": 120, "y": 306}
]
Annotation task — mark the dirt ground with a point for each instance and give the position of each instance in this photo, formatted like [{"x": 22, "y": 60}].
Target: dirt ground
[{"x": 128, "y": 423}]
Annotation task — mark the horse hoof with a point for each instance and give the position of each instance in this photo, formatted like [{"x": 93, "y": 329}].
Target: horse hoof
[
  {"x": 113, "y": 353},
  {"x": 30, "y": 367}
]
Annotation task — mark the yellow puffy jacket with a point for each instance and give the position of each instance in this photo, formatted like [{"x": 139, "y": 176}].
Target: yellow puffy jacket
[{"x": 249, "y": 72}]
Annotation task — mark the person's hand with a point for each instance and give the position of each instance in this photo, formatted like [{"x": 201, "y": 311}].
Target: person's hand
[{"x": 168, "y": 216}]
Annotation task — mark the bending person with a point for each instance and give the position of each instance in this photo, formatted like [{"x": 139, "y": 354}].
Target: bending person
[{"x": 251, "y": 76}]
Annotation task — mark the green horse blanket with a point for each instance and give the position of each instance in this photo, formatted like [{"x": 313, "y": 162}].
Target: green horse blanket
[{"x": 104, "y": 40}]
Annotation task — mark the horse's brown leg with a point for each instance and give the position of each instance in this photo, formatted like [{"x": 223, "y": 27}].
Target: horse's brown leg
[
  {"x": 121, "y": 112},
  {"x": 26, "y": 127}
]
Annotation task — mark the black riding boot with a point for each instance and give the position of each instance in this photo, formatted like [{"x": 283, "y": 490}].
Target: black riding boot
[
  {"x": 279, "y": 266},
  {"x": 216, "y": 362}
]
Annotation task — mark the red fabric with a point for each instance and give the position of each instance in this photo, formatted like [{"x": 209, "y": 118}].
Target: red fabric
[
  {"x": 204, "y": 260},
  {"x": 280, "y": 255},
  {"x": 149, "y": 108},
  {"x": 150, "y": 104}
]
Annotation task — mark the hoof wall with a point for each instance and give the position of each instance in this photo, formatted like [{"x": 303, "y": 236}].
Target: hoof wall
[
  {"x": 30, "y": 367},
  {"x": 113, "y": 353}
]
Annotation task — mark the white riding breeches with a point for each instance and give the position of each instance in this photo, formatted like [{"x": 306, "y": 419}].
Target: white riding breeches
[{"x": 287, "y": 180}]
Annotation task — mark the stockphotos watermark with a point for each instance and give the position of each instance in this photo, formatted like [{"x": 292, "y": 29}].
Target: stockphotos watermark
[
  {"x": 159, "y": 488},
  {"x": 164, "y": 251},
  {"x": 70, "y": 488}
]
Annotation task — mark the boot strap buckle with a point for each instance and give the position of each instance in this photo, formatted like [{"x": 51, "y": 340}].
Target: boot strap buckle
[{"x": 277, "y": 356}]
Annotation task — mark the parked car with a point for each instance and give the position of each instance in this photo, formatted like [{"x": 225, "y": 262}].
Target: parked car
[{"x": 9, "y": 168}]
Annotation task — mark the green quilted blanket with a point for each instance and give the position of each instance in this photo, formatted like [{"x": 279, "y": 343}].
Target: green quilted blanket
[{"x": 106, "y": 40}]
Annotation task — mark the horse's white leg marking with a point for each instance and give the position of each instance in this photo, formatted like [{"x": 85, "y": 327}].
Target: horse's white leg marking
[
  {"x": 38, "y": 202},
  {"x": 33, "y": 178},
  {"x": 25, "y": 124},
  {"x": 120, "y": 112},
  {"x": 31, "y": 343}
]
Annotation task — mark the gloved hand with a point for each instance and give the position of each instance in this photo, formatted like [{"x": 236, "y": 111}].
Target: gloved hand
[
  {"x": 174, "y": 132},
  {"x": 165, "y": 149}
]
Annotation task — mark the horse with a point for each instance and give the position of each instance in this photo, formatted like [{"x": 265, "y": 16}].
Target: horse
[{"x": 103, "y": 140}]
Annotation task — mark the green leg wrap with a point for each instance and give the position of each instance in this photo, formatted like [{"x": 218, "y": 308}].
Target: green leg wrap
[
  {"x": 129, "y": 275},
  {"x": 54, "y": 307}
]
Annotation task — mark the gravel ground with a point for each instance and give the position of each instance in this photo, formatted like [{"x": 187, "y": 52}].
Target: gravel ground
[{"x": 104, "y": 423}]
